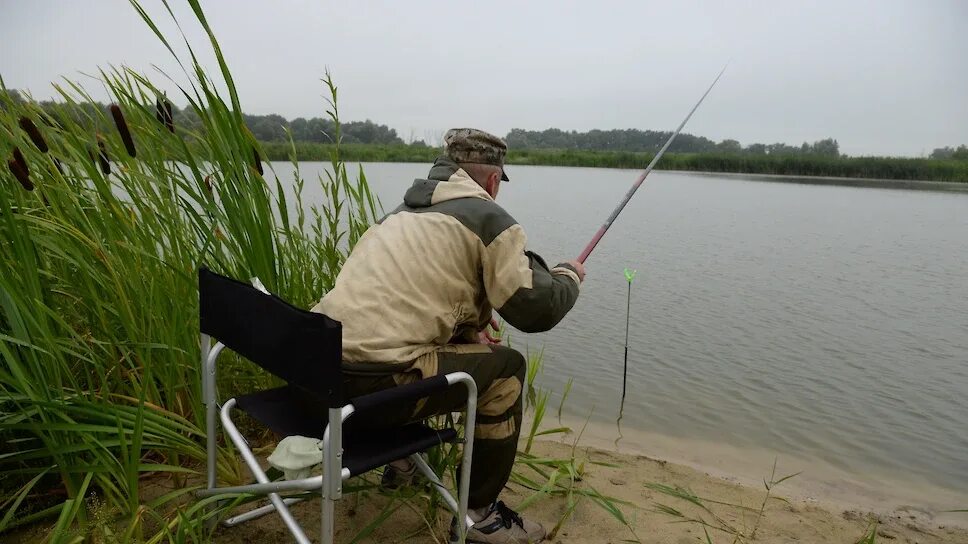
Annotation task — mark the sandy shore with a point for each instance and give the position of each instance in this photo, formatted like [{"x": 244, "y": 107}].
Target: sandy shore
[
  {"x": 881, "y": 492},
  {"x": 624, "y": 476},
  {"x": 818, "y": 506}
]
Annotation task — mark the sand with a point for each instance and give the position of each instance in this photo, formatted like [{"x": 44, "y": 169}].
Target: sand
[
  {"x": 817, "y": 506},
  {"x": 785, "y": 519}
]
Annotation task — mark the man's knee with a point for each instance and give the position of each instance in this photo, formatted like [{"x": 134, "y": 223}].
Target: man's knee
[
  {"x": 517, "y": 365},
  {"x": 503, "y": 395}
]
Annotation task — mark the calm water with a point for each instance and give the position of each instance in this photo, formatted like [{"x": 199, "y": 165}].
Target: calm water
[{"x": 826, "y": 322}]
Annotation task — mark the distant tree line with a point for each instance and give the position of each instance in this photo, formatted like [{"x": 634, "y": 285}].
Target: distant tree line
[
  {"x": 272, "y": 128},
  {"x": 276, "y": 128},
  {"x": 959, "y": 153},
  {"x": 651, "y": 141}
]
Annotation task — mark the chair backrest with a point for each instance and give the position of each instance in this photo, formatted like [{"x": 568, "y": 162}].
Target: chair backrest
[{"x": 302, "y": 347}]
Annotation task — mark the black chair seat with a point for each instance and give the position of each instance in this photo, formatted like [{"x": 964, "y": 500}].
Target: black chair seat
[
  {"x": 279, "y": 410},
  {"x": 363, "y": 449}
]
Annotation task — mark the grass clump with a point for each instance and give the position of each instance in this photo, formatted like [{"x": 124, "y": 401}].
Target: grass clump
[
  {"x": 693, "y": 509},
  {"x": 100, "y": 237}
]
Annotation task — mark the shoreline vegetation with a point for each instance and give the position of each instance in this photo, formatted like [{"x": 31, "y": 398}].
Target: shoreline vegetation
[
  {"x": 365, "y": 141},
  {"x": 877, "y": 171}
]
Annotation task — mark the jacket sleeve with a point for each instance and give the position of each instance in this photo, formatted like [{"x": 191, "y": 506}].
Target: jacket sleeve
[{"x": 525, "y": 292}]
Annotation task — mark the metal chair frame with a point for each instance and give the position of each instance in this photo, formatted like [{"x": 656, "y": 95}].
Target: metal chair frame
[{"x": 328, "y": 484}]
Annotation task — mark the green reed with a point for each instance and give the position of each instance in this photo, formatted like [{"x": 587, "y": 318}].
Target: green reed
[
  {"x": 870, "y": 535},
  {"x": 100, "y": 389},
  {"x": 700, "y": 511}
]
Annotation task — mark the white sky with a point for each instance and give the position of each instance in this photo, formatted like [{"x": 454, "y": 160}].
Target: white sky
[{"x": 882, "y": 77}]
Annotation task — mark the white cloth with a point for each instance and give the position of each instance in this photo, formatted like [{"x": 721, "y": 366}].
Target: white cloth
[{"x": 296, "y": 456}]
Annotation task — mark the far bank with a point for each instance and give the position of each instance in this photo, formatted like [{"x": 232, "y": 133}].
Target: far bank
[{"x": 828, "y": 170}]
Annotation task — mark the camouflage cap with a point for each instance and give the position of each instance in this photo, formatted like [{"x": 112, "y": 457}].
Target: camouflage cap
[{"x": 477, "y": 146}]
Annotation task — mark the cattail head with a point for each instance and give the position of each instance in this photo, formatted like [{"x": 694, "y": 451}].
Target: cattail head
[
  {"x": 122, "y": 125},
  {"x": 102, "y": 156},
  {"x": 35, "y": 136},
  {"x": 18, "y": 172},
  {"x": 258, "y": 161},
  {"x": 163, "y": 114},
  {"x": 18, "y": 157}
]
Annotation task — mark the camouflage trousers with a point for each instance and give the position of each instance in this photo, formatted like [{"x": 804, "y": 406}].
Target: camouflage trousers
[{"x": 499, "y": 372}]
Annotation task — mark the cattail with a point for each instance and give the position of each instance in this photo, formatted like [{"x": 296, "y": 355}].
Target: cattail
[
  {"x": 258, "y": 160},
  {"x": 163, "y": 114},
  {"x": 35, "y": 136},
  {"x": 20, "y": 173},
  {"x": 102, "y": 156},
  {"x": 19, "y": 158},
  {"x": 123, "y": 130}
]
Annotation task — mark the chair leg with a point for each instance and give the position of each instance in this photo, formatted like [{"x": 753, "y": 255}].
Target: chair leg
[
  {"x": 211, "y": 420},
  {"x": 463, "y": 488},
  {"x": 439, "y": 486},
  {"x": 260, "y": 476},
  {"x": 258, "y": 512},
  {"x": 332, "y": 472},
  {"x": 329, "y": 511}
]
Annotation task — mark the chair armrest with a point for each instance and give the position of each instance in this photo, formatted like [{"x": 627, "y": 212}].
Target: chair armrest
[{"x": 401, "y": 393}]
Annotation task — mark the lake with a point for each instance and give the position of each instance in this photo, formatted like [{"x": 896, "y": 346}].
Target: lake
[{"x": 825, "y": 325}]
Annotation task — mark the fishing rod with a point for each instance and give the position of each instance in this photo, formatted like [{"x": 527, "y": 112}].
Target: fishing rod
[{"x": 628, "y": 196}]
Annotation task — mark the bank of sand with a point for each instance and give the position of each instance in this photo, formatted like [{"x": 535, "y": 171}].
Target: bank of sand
[{"x": 818, "y": 509}]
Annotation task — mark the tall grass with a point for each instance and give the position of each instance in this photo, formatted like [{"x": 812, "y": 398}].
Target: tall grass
[{"x": 100, "y": 393}]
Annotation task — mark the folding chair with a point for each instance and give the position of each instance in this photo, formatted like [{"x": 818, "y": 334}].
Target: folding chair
[{"x": 305, "y": 348}]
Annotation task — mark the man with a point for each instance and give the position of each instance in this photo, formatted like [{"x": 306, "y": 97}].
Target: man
[{"x": 415, "y": 297}]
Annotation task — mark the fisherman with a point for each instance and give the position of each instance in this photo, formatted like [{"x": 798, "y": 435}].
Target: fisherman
[{"x": 415, "y": 298}]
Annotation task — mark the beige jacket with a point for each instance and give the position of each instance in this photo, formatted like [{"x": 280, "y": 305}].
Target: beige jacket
[{"x": 430, "y": 272}]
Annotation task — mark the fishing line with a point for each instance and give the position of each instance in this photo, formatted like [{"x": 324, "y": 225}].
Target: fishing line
[{"x": 629, "y": 276}]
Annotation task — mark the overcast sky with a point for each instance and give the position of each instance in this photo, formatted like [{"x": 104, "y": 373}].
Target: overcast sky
[{"x": 882, "y": 77}]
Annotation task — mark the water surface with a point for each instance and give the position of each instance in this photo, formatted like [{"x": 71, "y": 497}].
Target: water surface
[{"x": 826, "y": 323}]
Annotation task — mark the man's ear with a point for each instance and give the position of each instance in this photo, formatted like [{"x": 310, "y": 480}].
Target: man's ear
[{"x": 493, "y": 182}]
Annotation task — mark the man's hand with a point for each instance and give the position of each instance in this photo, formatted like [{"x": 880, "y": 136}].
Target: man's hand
[
  {"x": 485, "y": 337},
  {"x": 579, "y": 268}
]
